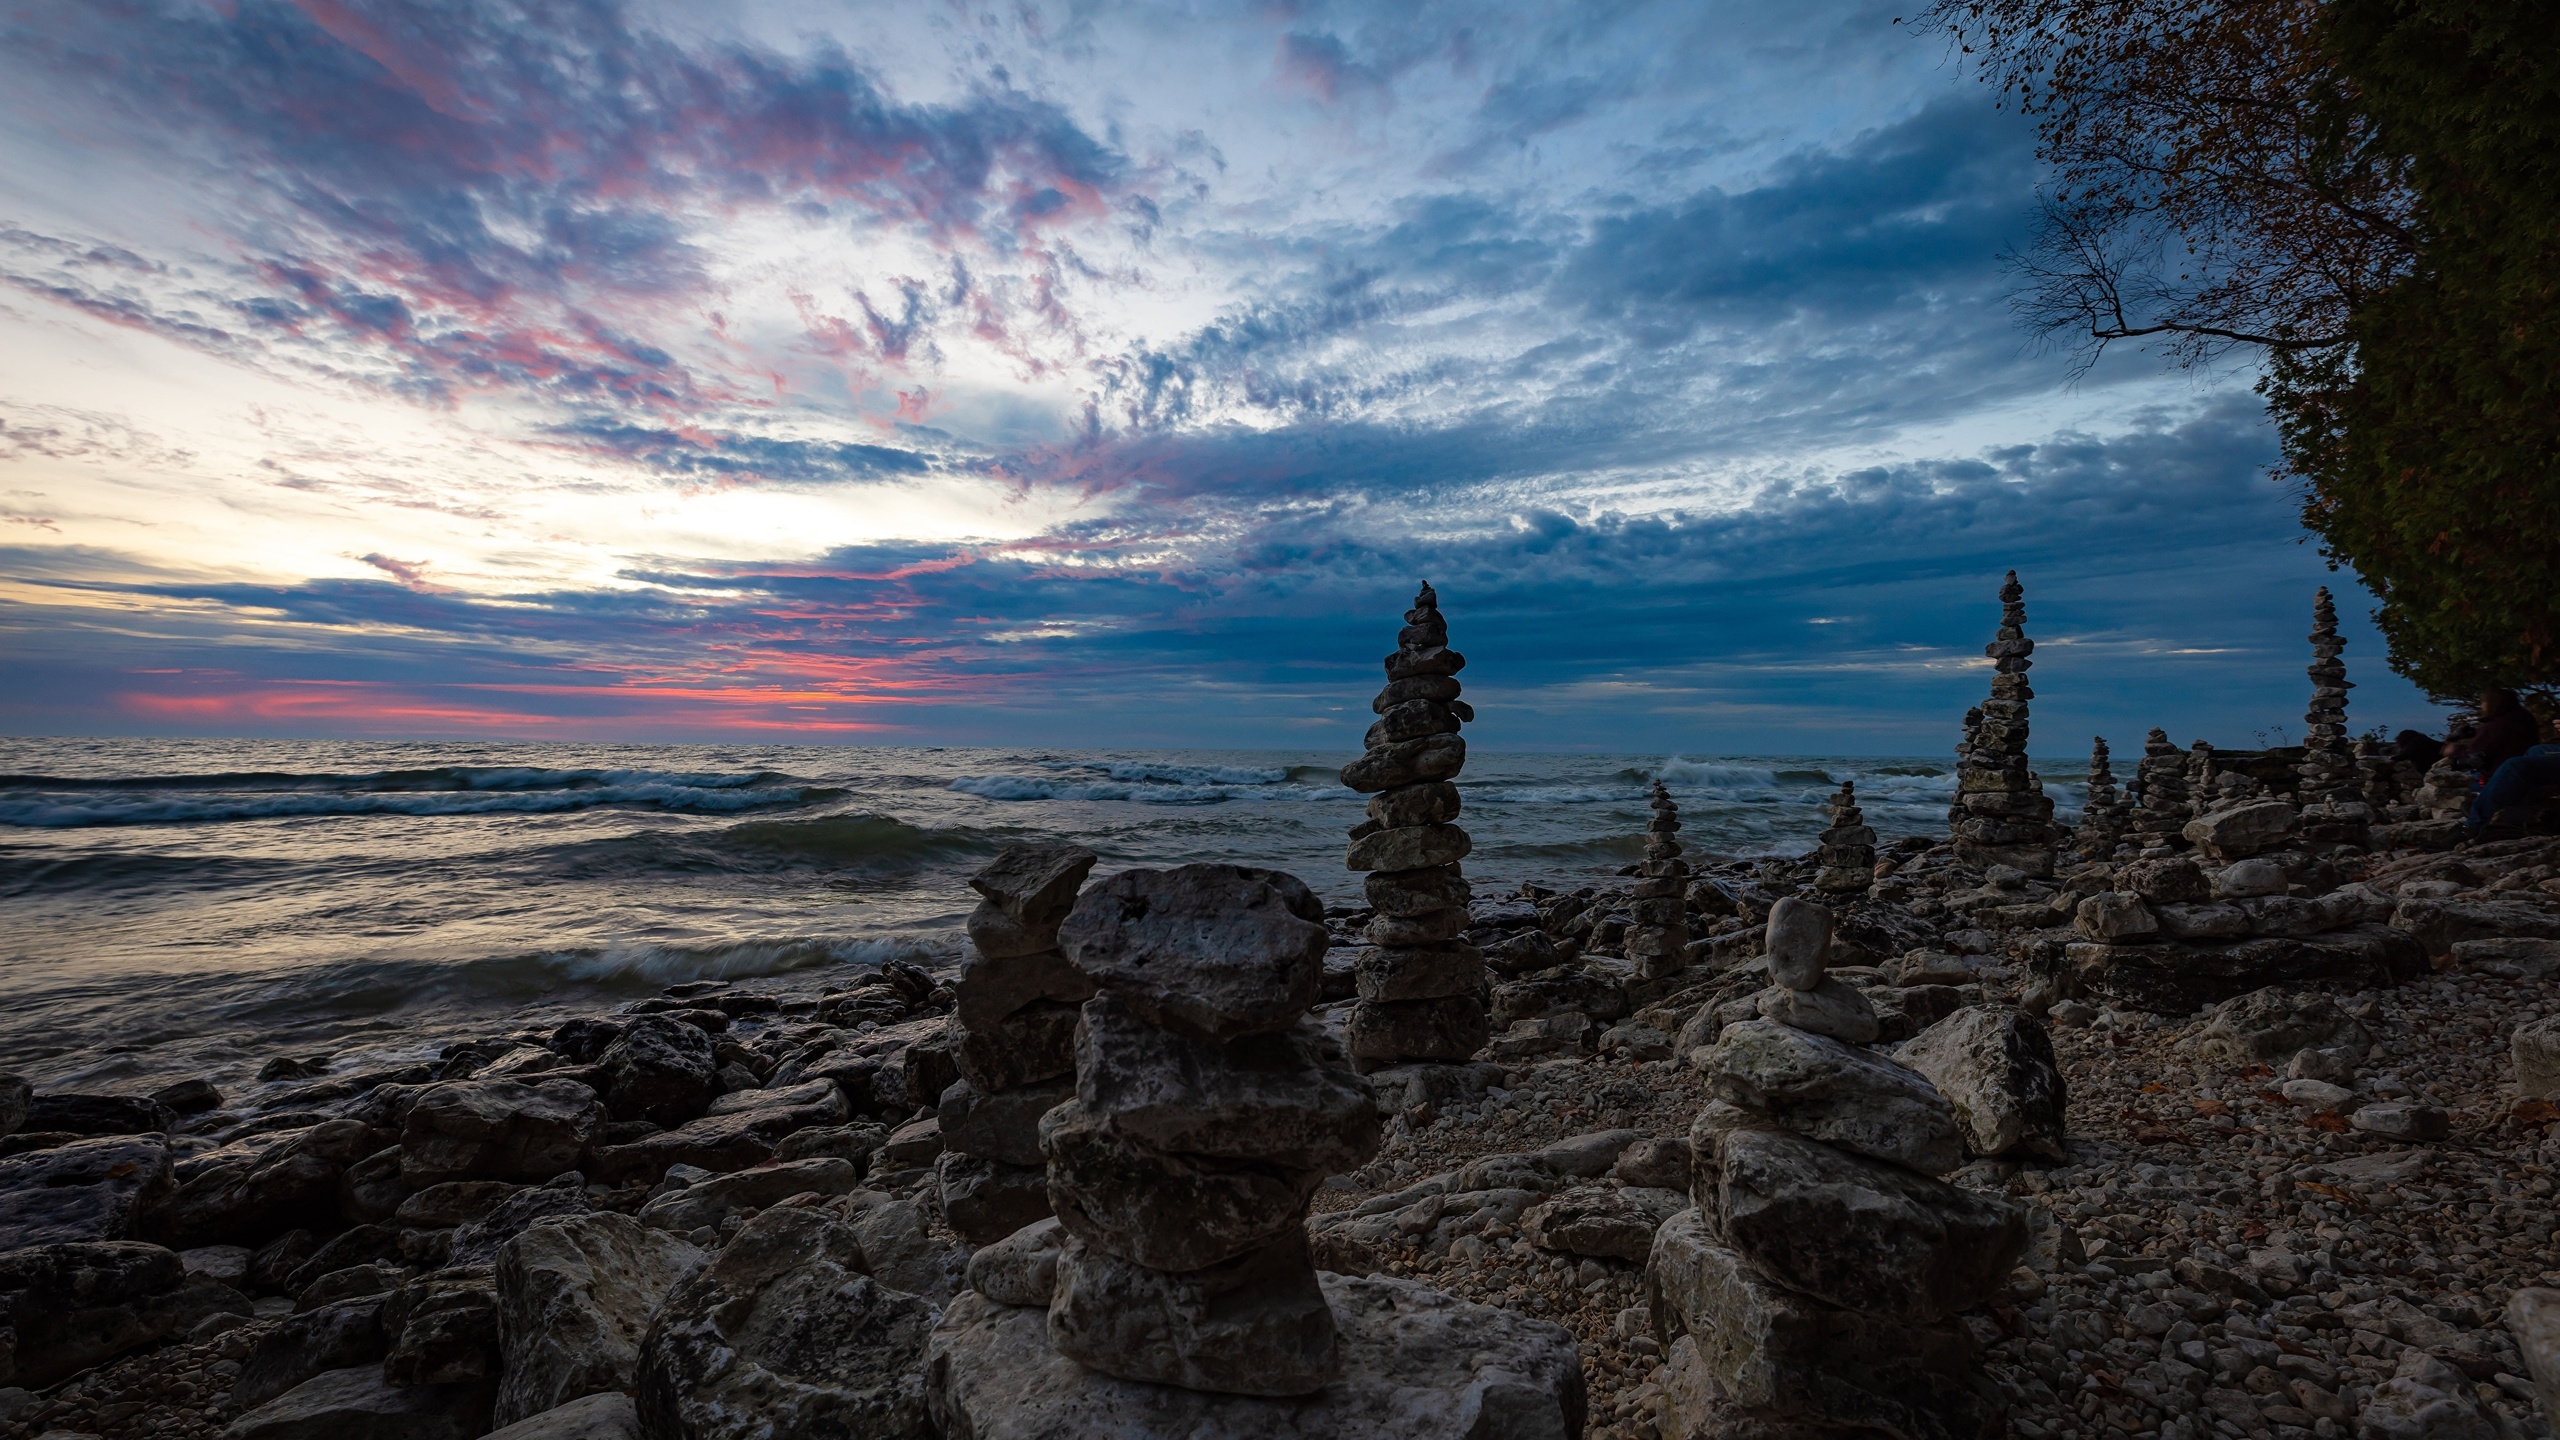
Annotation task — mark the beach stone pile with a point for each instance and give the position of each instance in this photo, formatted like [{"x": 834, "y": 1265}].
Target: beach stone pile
[
  {"x": 1015, "y": 1027},
  {"x": 2007, "y": 819},
  {"x": 1816, "y": 1284},
  {"x": 2105, "y": 817},
  {"x": 1658, "y": 941},
  {"x": 1175, "y": 1292},
  {"x": 1421, "y": 986},
  {"x": 2160, "y": 805},
  {"x": 1847, "y": 850},
  {"x": 2172, "y": 936}
]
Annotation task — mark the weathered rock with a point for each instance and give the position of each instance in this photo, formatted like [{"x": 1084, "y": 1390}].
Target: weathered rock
[
  {"x": 294, "y": 1185},
  {"x": 1601, "y": 1220},
  {"x": 1003, "y": 1127},
  {"x": 2441, "y": 924},
  {"x": 2533, "y": 1318},
  {"x": 985, "y": 1200},
  {"x": 715, "y": 1142},
  {"x": 1034, "y": 885},
  {"x": 442, "y": 1329},
  {"x": 1417, "y": 847},
  {"x": 2166, "y": 880},
  {"x": 2114, "y": 916},
  {"x": 709, "y": 1202},
  {"x": 1284, "y": 1098},
  {"x": 2248, "y": 878},
  {"x": 1254, "y": 1324},
  {"x": 92, "y": 1115},
  {"x": 1387, "y": 1033},
  {"x": 81, "y": 1191},
  {"x": 797, "y": 1107},
  {"x": 897, "y": 1250},
  {"x": 854, "y": 1144},
  {"x": 2241, "y": 831},
  {"x": 2425, "y": 1399},
  {"x": 1833, "y": 1008},
  {"x": 476, "y": 1242},
  {"x": 2536, "y": 1048},
  {"x": 660, "y": 1070},
  {"x": 454, "y": 1202},
  {"x": 991, "y": 989},
  {"x": 1387, "y": 974},
  {"x": 311, "y": 1343},
  {"x": 575, "y": 1298},
  {"x": 2403, "y": 1122},
  {"x": 2182, "y": 977},
  {"x": 15, "y": 1096},
  {"x": 1835, "y": 1093},
  {"x": 1407, "y": 762},
  {"x": 1167, "y": 1211},
  {"x": 1034, "y": 1044},
  {"x": 1021, "y": 1268},
  {"x": 1416, "y": 892},
  {"x": 1996, "y": 1068},
  {"x": 1860, "y": 1234},
  {"x": 2269, "y": 1026},
  {"x": 596, "y": 1417},
  {"x": 68, "y": 1306},
  {"x": 1216, "y": 950},
  {"x": 784, "y": 1334},
  {"x": 1655, "y": 1162},
  {"x": 1798, "y": 942},
  {"x": 497, "y": 1130},
  {"x": 359, "y": 1401},
  {"x": 1416, "y": 1365}
]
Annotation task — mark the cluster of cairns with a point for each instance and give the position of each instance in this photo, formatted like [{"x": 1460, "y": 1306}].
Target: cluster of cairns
[
  {"x": 1422, "y": 987},
  {"x": 1846, "y": 851},
  {"x": 1175, "y": 1292},
  {"x": 2005, "y": 817},
  {"x": 1816, "y": 1285},
  {"x": 1659, "y": 940}
]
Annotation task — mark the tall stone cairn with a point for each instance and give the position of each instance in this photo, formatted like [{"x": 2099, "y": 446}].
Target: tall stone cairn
[
  {"x": 1016, "y": 1017},
  {"x": 1422, "y": 987},
  {"x": 1846, "y": 859},
  {"x": 1964, "y": 757},
  {"x": 1659, "y": 940},
  {"x": 1207, "y": 1109},
  {"x": 2203, "y": 782},
  {"x": 1815, "y": 1286},
  {"x": 2103, "y": 818},
  {"x": 2327, "y": 768},
  {"x": 2160, "y": 812},
  {"x": 2007, "y": 819},
  {"x": 2381, "y": 777}
]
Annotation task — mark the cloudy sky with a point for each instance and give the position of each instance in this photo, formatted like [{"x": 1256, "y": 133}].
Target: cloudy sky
[{"x": 1084, "y": 373}]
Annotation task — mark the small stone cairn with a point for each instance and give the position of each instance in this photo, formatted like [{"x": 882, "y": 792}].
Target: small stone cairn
[
  {"x": 1422, "y": 988},
  {"x": 1658, "y": 942},
  {"x": 2104, "y": 818},
  {"x": 2381, "y": 777},
  {"x": 2007, "y": 818},
  {"x": 1964, "y": 757},
  {"x": 1847, "y": 854},
  {"x": 1016, "y": 1018},
  {"x": 2160, "y": 809},
  {"x": 1815, "y": 1287},
  {"x": 2335, "y": 810}
]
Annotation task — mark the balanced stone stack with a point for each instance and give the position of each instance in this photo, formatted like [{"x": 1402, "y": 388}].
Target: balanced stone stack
[
  {"x": 2381, "y": 778},
  {"x": 1658, "y": 941},
  {"x": 1964, "y": 757},
  {"x": 2335, "y": 810},
  {"x": 1816, "y": 1286},
  {"x": 1422, "y": 988},
  {"x": 2007, "y": 818},
  {"x": 2160, "y": 813},
  {"x": 1846, "y": 859},
  {"x": 1016, "y": 1016},
  {"x": 2103, "y": 818},
  {"x": 1206, "y": 1111}
]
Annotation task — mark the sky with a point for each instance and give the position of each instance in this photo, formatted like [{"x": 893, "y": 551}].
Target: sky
[{"x": 1085, "y": 374}]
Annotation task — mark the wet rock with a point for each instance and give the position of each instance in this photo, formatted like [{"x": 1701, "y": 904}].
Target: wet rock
[
  {"x": 784, "y": 1334},
  {"x": 442, "y": 1329},
  {"x": 575, "y": 1298},
  {"x": 291, "y": 1186},
  {"x": 1285, "y": 1098},
  {"x": 1834, "y": 1093},
  {"x": 712, "y": 1201},
  {"x": 660, "y": 1070},
  {"x": 1218, "y": 951},
  {"x": 1168, "y": 1211},
  {"x": 477, "y": 1242},
  {"x": 312, "y": 1343},
  {"x": 1254, "y": 1324},
  {"x": 596, "y": 1417},
  {"x": 1021, "y": 1268},
  {"x": 15, "y": 1094},
  {"x": 189, "y": 1097},
  {"x": 1996, "y": 1068},
  {"x": 82, "y": 1190},
  {"x": 497, "y": 1130},
  {"x": 359, "y": 1401},
  {"x": 69, "y": 1306},
  {"x": 92, "y": 1115}
]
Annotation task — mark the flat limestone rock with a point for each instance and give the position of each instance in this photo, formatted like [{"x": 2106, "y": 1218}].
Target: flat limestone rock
[
  {"x": 2181, "y": 977},
  {"x": 1835, "y": 1093},
  {"x": 1173, "y": 1212},
  {"x": 985, "y": 1200},
  {"x": 1286, "y": 1099},
  {"x": 1416, "y": 1365},
  {"x": 1381, "y": 1033},
  {"x": 1833, "y": 1007},
  {"x": 1254, "y": 1325},
  {"x": 1215, "y": 950}
]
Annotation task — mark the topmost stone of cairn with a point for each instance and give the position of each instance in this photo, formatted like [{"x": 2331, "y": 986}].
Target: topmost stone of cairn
[
  {"x": 1216, "y": 951},
  {"x": 2007, "y": 819}
]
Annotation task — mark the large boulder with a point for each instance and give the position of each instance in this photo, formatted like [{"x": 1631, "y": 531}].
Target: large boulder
[
  {"x": 1995, "y": 1066},
  {"x": 91, "y": 1115},
  {"x": 85, "y": 1190},
  {"x": 291, "y": 1186},
  {"x": 985, "y": 1200},
  {"x": 784, "y": 1334},
  {"x": 718, "y": 1143},
  {"x": 660, "y": 1070},
  {"x": 1603, "y": 1221},
  {"x": 312, "y": 1342},
  {"x": 2181, "y": 977},
  {"x": 1417, "y": 1364},
  {"x": 442, "y": 1329},
  {"x": 1173, "y": 1212},
  {"x": 477, "y": 1241},
  {"x": 2240, "y": 831},
  {"x": 1217, "y": 951},
  {"x": 1253, "y": 1324},
  {"x": 1861, "y": 1234},
  {"x": 1286, "y": 1098},
  {"x": 2439, "y": 925},
  {"x": 1004, "y": 1126},
  {"x": 1836, "y": 1093},
  {"x": 497, "y": 1130},
  {"x": 75, "y": 1305},
  {"x": 575, "y": 1298},
  {"x": 595, "y": 1417},
  {"x": 2272, "y": 1025},
  {"x": 358, "y": 1401}
]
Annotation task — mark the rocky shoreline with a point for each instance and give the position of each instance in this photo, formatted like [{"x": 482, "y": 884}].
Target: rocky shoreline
[{"x": 2230, "y": 1113}]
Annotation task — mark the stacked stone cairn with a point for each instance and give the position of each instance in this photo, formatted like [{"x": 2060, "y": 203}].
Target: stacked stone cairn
[
  {"x": 1846, "y": 856},
  {"x": 2335, "y": 810},
  {"x": 1422, "y": 988},
  {"x": 1815, "y": 1288},
  {"x": 1658, "y": 942},
  {"x": 1964, "y": 757},
  {"x": 2104, "y": 818},
  {"x": 1015, "y": 1048},
  {"x": 2007, "y": 818},
  {"x": 2381, "y": 778},
  {"x": 2160, "y": 813}
]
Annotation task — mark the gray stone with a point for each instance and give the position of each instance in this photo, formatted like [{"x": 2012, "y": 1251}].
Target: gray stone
[
  {"x": 1216, "y": 950},
  {"x": 2425, "y": 1399},
  {"x": 1861, "y": 1234},
  {"x": 476, "y": 1242},
  {"x": 998, "y": 936},
  {"x": 1417, "y": 847},
  {"x": 497, "y": 1130},
  {"x": 2514, "y": 957},
  {"x": 2198, "y": 922},
  {"x": 897, "y": 1249},
  {"x": 359, "y": 1401},
  {"x": 1386, "y": 1033},
  {"x": 2318, "y": 1095},
  {"x": 442, "y": 1329},
  {"x": 2182, "y": 977},
  {"x": 1798, "y": 942},
  {"x": 989, "y": 990},
  {"x": 1602, "y": 1221},
  {"x": 1657, "y": 1162},
  {"x": 68, "y": 1306},
  {"x": 15, "y": 1095},
  {"x": 81, "y": 1191},
  {"x": 714, "y": 1142},
  {"x": 1835, "y": 1093},
  {"x": 1003, "y": 1127},
  {"x": 1416, "y": 892},
  {"x": 1168, "y": 1211},
  {"x": 1255, "y": 1324},
  {"x": 2536, "y": 1048},
  {"x": 453, "y": 1202},
  {"x": 1386, "y": 974},
  {"x": 595, "y": 1417},
  {"x": 1407, "y": 762},
  {"x": 2251, "y": 877},
  {"x": 574, "y": 1300},
  {"x": 2244, "y": 830},
  {"x": 2441, "y": 924},
  {"x": 855, "y": 1144},
  {"x": 1832, "y": 1008},
  {"x": 91, "y": 1115},
  {"x": 660, "y": 1070},
  {"x": 784, "y": 1334},
  {"x": 2533, "y": 1318},
  {"x": 2114, "y": 915},
  {"x": 290, "y": 1186},
  {"x": 1996, "y": 1068},
  {"x": 1435, "y": 803},
  {"x": 1284, "y": 1098},
  {"x": 985, "y": 1200},
  {"x": 712, "y": 1201},
  {"x": 1021, "y": 1268},
  {"x": 2268, "y": 1026},
  {"x": 1034, "y": 884},
  {"x": 801, "y": 1106},
  {"x": 2404, "y": 1122},
  {"x": 1416, "y": 1365},
  {"x": 312, "y": 1343}
]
